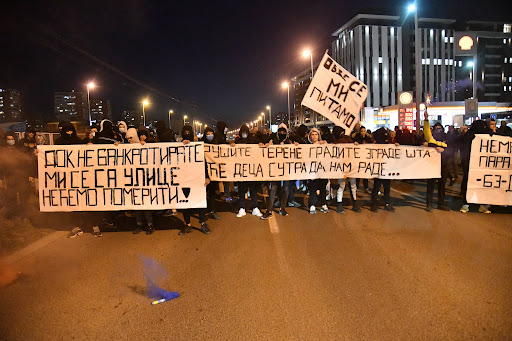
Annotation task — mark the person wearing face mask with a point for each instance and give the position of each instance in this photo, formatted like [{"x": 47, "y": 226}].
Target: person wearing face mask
[
  {"x": 381, "y": 137},
  {"x": 107, "y": 134},
  {"x": 187, "y": 133},
  {"x": 28, "y": 142},
  {"x": 122, "y": 129},
  {"x": 68, "y": 135},
  {"x": 213, "y": 186},
  {"x": 163, "y": 133},
  {"x": 243, "y": 186},
  {"x": 437, "y": 138},
  {"x": 362, "y": 137},
  {"x": 278, "y": 139},
  {"x": 317, "y": 185}
]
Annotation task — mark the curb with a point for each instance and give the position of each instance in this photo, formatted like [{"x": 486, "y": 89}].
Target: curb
[{"x": 16, "y": 256}]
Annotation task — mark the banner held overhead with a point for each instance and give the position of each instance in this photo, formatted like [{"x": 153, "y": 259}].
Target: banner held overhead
[{"x": 336, "y": 94}]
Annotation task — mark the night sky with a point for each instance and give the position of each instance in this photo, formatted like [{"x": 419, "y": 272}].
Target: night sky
[{"x": 226, "y": 59}]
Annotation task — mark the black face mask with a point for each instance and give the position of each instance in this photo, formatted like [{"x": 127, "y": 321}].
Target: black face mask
[
  {"x": 188, "y": 136},
  {"x": 281, "y": 136}
]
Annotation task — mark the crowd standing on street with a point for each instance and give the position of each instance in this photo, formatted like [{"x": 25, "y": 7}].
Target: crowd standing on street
[{"x": 18, "y": 169}]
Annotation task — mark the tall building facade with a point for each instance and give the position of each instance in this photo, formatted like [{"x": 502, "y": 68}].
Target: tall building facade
[
  {"x": 100, "y": 110},
  {"x": 380, "y": 51},
  {"x": 132, "y": 118},
  {"x": 11, "y": 105},
  {"x": 71, "y": 106}
]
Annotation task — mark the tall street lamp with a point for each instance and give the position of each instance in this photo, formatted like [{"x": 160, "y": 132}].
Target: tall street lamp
[
  {"x": 185, "y": 119},
  {"x": 287, "y": 86},
  {"x": 269, "y": 118},
  {"x": 412, "y": 8},
  {"x": 90, "y": 86},
  {"x": 170, "y": 112},
  {"x": 144, "y": 103},
  {"x": 308, "y": 53},
  {"x": 263, "y": 114}
]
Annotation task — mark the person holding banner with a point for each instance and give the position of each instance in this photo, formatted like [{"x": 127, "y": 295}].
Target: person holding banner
[
  {"x": 340, "y": 137},
  {"x": 213, "y": 186},
  {"x": 278, "y": 139},
  {"x": 466, "y": 140},
  {"x": 363, "y": 137},
  {"x": 243, "y": 186},
  {"x": 437, "y": 139},
  {"x": 381, "y": 137},
  {"x": 187, "y": 133},
  {"x": 317, "y": 184}
]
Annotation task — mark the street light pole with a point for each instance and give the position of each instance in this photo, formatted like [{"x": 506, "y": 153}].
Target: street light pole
[
  {"x": 417, "y": 52},
  {"x": 185, "y": 119},
  {"x": 287, "y": 85},
  {"x": 264, "y": 123},
  {"x": 144, "y": 103},
  {"x": 90, "y": 85},
  {"x": 170, "y": 112},
  {"x": 269, "y": 118}
]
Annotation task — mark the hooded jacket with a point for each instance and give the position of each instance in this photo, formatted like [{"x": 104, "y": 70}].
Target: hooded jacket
[
  {"x": 220, "y": 136},
  {"x": 132, "y": 136},
  {"x": 106, "y": 135},
  {"x": 275, "y": 137},
  {"x": 66, "y": 139},
  {"x": 163, "y": 133},
  {"x": 319, "y": 135},
  {"x": 301, "y": 135},
  {"x": 204, "y": 139},
  {"x": 338, "y": 135},
  {"x": 249, "y": 140}
]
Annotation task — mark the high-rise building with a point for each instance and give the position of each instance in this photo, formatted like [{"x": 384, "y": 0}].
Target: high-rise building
[
  {"x": 100, "y": 110},
  {"x": 379, "y": 50},
  {"x": 302, "y": 114},
  {"x": 11, "y": 106},
  {"x": 132, "y": 118},
  {"x": 71, "y": 106}
]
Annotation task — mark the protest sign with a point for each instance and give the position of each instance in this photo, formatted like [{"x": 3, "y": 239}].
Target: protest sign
[
  {"x": 245, "y": 162},
  {"x": 490, "y": 173},
  {"x": 336, "y": 94},
  {"x": 153, "y": 176}
]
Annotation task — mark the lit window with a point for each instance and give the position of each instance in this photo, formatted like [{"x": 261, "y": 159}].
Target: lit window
[
  {"x": 507, "y": 28},
  {"x": 451, "y": 40},
  {"x": 431, "y": 32},
  {"x": 446, "y": 62},
  {"x": 504, "y": 41},
  {"x": 428, "y": 61},
  {"x": 423, "y": 61},
  {"x": 442, "y": 32},
  {"x": 505, "y": 88},
  {"x": 366, "y": 29},
  {"x": 435, "y": 61},
  {"x": 510, "y": 79},
  {"x": 460, "y": 63},
  {"x": 505, "y": 60},
  {"x": 510, "y": 60},
  {"x": 380, "y": 60},
  {"x": 439, "y": 62},
  {"x": 392, "y": 30}
]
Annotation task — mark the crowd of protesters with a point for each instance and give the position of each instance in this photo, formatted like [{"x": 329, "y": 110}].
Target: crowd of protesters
[{"x": 19, "y": 167}]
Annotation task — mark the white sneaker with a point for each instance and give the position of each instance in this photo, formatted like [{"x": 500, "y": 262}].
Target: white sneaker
[
  {"x": 324, "y": 209},
  {"x": 256, "y": 212},
  {"x": 241, "y": 213},
  {"x": 312, "y": 209},
  {"x": 484, "y": 209},
  {"x": 464, "y": 209}
]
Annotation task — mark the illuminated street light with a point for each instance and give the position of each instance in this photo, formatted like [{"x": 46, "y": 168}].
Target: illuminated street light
[
  {"x": 90, "y": 86},
  {"x": 263, "y": 114},
  {"x": 144, "y": 103},
  {"x": 308, "y": 53},
  {"x": 411, "y": 8},
  {"x": 185, "y": 119},
  {"x": 170, "y": 112}
]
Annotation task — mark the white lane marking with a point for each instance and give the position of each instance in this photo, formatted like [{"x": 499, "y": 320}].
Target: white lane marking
[
  {"x": 409, "y": 195},
  {"x": 274, "y": 228}
]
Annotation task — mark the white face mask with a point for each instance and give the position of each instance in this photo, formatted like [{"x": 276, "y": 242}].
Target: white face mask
[
  {"x": 226, "y": 130},
  {"x": 11, "y": 142},
  {"x": 209, "y": 138},
  {"x": 121, "y": 129},
  {"x": 93, "y": 133},
  {"x": 244, "y": 135}
]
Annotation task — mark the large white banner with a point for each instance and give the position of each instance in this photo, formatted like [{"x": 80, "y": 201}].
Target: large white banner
[
  {"x": 248, "y": 162},
  {"x": 126, "y": 177},
  {"x": 490, "y": 173},
  {"x": 336, "y": 94}
]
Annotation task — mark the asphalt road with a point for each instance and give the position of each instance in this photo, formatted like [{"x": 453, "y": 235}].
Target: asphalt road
[{"x": 407, "y": 275}]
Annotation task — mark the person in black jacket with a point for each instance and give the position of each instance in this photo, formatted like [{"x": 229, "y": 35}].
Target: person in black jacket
[
  {"x": 315, "y": 185},
  {"x": 280, "y": 138},
  {"x": 243, "y": 186},
  {"x": 213, "y": 186},
  {"x": 362, "y": 137},
  {"x": 68, "y": 135},
  {"x": 107, "y": 134},
  {"x": 187, "y": 133},
  {"x": 381, "y": 137},
  {"x": 164, "y": 134}
]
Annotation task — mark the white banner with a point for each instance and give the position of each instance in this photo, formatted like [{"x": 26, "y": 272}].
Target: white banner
[
  {"x": 249, "y": 162},
  {"x": 336, "y": 94},
  {"x": 490, "y": 173},
  {"x": 153, "y": 176}
]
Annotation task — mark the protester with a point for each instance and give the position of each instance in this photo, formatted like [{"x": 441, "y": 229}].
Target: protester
[
  {"x": 317, "y": 185},
  {"x": 187, "y": 133},
  {"x": 381, "y": 137},
  {"x": 243, "y": 186},
  {"x": 504, "y": 130},
  {"x": 122, "y": 128},
  {"x": 340, "y": 137},
  {"x": 213, "y": 186},
  {"x": 300, "y": 137},
  {"x": 451, "y": 155},
  {"x": 281, "y": 138},
  {"x": 163, "y": 133},
  {"x": 107, "y": 134},
  {"x": 68, "y": 135},
  {"x": 437, "y": 139},
  {"x": 362, "y": 137},
  {"x": 29, "y": 141}
]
